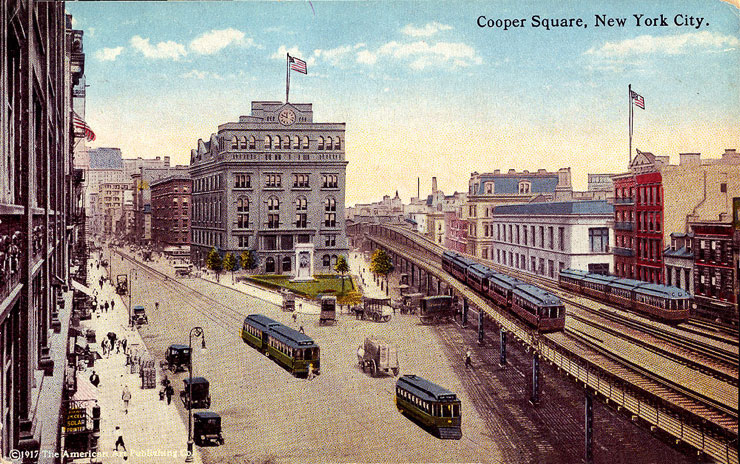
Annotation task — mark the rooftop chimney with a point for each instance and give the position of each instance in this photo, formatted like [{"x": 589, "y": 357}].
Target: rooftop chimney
[
  {"x": 496, "y": 172},
  {"x": 512, "y": 171},
  {"x": 689, "y": 159},
  {"x": 434, "y": 185}
]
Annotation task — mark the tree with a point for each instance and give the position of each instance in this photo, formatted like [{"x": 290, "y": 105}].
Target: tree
[
  {"x": 381, "y": 264},
  {"x": 248, "y": 259},
  {"x": 352, "y": 298},
  {"x": 214, "y": 262},
  {"x": 230, "y": 264},
  {"x": 342, "y": 267}
]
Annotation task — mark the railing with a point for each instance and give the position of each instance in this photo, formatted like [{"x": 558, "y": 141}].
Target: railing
[
  {"x": 624, "y": 226},
  {"x": 621, "y": 251}
]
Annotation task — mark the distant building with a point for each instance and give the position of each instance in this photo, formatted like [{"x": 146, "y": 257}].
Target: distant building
[
  {"x": 268, "y": 182},
  {"x": 678, "y": 260},
  {"x": 388, "y": 210},
  {"x": 141, "y": 179},
  {"x": 489, "y": 190},
  {"x": 543, "y": 238},
  {"x": 656, "y": 199},
  {"x": 715, "y": 270},
  {"x": 171, "y": 200},
  {"x": 456, "y": 231}
]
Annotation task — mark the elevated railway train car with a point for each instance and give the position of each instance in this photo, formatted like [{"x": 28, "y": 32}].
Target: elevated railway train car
[
  {"x": 531, "y": 304},
  {"x": 661, "y": 302},
  {"x": 293, "y": 350},
  {"x": 435, "y": 408}
]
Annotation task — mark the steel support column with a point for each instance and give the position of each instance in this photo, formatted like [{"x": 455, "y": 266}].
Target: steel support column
[
  {"x": 502, "y": 357},
  {"x": 535, "y": 398},
  {"x": 589, "y": 426},
  {"x": 465, "y": 312},
  {"x": 480, "y": 326}
]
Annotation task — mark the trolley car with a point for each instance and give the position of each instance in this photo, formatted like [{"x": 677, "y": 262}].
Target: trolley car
[
  {"x": 255, "y": 330},
  {"x": 434, "y": 407},
  {"x": 663, "y": 302},
  {"x": 293, "y": 350}
]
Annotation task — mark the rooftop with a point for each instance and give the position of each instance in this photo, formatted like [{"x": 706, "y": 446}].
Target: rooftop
[{"x": 557, "y": 208}]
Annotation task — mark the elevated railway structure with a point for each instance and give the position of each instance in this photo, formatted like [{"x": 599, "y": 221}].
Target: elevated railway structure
[{"x": 681, "y": 386}]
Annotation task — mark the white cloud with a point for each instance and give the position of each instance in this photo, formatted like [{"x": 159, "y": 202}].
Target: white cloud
[
  {"x": 162, "y": 50},
  {"x": 293, "y": 51},
  {"x": 334, "y": 55},
  {"x": 428, "y": 30},
  {"x": 668, "y": 45},
  {"x": 108, "y": 54},
  {"x": 216, "y": 40},
  {"x": 366, "y": 57},
  {"x": 423, "y": 54},
  {"x": 202, "y": 75}
]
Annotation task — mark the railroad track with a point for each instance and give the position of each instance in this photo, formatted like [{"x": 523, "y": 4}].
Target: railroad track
[{"x": 706, "y": 357}]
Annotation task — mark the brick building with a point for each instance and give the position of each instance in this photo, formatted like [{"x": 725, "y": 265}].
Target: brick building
[{"x": 171, "y": 200}]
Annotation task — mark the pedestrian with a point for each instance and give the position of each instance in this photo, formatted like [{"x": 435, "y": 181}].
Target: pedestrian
[
  {"x": 112, "y": 304},
  {"x": 118, "y": 346},
  {"x": 467, "y": 358},
  {"x": 119, "y": 441},
  {"x": 169, "y": 391},
  {"x": 94, "y": 379},
  {"x": 310, "y": 375},
  {"x": 105, "y": 305},
  {"x": 300, "y": 307},
  {"x": 156, "y": 305},
  {"x": 295, "y": 318},
  {"x": 104, "y": 345},
  {"x": 124, "y": 342},
  {"x": 126, "y": 397},
  {"x": 301, "y": 330}
]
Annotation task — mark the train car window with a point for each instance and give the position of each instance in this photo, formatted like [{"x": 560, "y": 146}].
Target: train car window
[{"x": 455, "y": 410}]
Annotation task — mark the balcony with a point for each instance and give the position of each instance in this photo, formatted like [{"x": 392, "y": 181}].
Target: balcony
[
  {"x": 624, "y": 226},
  {"x": 624, "y": 201},
  {"x": 621, "y": 251}
]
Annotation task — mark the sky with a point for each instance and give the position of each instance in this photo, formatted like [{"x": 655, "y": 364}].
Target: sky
[{"x": 423, "y": 89}]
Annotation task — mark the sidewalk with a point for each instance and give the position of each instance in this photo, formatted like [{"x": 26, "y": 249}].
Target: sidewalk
[{"x": 153, "y": 431}]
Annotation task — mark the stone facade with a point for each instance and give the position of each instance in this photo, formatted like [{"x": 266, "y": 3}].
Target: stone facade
[{"x": 269, "y": 181}]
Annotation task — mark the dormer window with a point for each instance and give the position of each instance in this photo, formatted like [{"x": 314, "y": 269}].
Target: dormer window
[
  {"x": 488, "y": 188},
  {"x": 525, "y": 186}
]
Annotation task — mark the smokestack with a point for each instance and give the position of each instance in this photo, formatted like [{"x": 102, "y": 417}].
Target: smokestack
[
  {"x": 418, "y": 187},
  {"x": 434, "y": 185}
]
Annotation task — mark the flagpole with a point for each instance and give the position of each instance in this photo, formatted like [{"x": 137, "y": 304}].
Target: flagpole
[
  {"x": 287, "y": 77},
  {"x": 629, "y": 95}
]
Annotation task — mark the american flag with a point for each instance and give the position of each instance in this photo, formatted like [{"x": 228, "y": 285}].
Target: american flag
[
  {"x": 297, "y": 64},
  {"x": 81, "y": 125},
  {"x": 639, "y": 101}
]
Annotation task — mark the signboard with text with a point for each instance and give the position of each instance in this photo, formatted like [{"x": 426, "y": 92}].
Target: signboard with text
[{"x": 76, "y": 420}]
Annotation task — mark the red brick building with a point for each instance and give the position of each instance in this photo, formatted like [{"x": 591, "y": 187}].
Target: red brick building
[
  {"x": 171, "y": 200},
  {"x": 456, "y": 233},
  {"x": 715, "y": 271}
]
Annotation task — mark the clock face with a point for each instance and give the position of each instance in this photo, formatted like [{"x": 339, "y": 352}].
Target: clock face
[{"x": 286, "y": 117}]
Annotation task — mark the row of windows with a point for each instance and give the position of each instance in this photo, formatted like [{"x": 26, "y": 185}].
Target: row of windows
[
  {"x": 285, "y": 142},
  {"x": 649, "y": 249},
  {"x": 205, "y": 184},
  {"x": 434, "y": 409},
  {"x": 523, "y": 187},
  {"x": 272, "y": 180},
  {"x": 519, "y": 261},
  {"x": 523, "y": 235}
]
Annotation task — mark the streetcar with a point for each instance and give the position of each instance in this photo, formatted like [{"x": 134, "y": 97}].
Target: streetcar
[
  {"x": 255, "y": 330},
  {"x": 435, "y": 408},
  {"x": 295, "y": 351},
  {"x": 662, "y": 302}
]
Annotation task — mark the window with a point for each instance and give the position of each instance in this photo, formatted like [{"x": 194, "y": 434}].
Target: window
[
  {"x": 286, "y": 264},
  {"x": 242, "y": 181},
  {"x": 276, "y": 142},
  {"x": 561, "y": 238},
  {"x": 337, "y": 143},
  {"x": 524, "y": 186},
  {"x": 330, "y": 215},
  {"x": 326, "y": 260},
  {"x": 242, "y": 213},
  {"x": 551, "y": 237},
  {"x": 273, "y": 221},
  {"x": 489, "y": 187},
  {"x": 252, "y": 142},
  {"x": 243, "y": 241},
  {"x": 329, "y": 142},
  {"x": 330, "y": 240},
  {"x": 542, "y": 236},
  {"x": 551, "y": 268},
  {"x": 234, "y": 142},
  {"x": 286, "y": 242},
  {"x": 598, "y": 239},
  {"x": 273, "y": 180},
  {"x": 329, "y": 181},
  {"x": 305, "y": 142},
  {"x": 321, "y": 144},
  {"x": 300, "y": 181},
  {"x": 268, "y": 142}
]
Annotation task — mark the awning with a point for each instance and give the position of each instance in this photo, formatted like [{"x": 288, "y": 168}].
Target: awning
[
  {"x": 85, "y": 390},
  {"x": 83, "y": 288}
]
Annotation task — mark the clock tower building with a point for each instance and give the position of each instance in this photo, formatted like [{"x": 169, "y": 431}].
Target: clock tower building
[{"x": 272, "y": 182}]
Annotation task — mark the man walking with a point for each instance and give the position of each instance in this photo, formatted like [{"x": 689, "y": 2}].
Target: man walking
[
  {"x": 119, "y": 442},
  {"x": 467, "y": 358},
  {"x": 112, "y": 304},
  {"x": 126, "y": 397},
  {"x": 94, "y": 379},
  {"x": 169, "y": 391}
]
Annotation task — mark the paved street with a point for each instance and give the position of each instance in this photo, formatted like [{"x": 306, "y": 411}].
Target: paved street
[{"x": 346, "y": 416}]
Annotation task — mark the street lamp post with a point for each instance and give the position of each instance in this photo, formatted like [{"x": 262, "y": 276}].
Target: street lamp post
[
  {"x": 131, "y": 274},
  {"x": 194, "y": 332}
]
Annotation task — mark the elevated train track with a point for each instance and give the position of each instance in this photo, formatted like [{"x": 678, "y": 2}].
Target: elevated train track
[{"x": 701, "y": 413}]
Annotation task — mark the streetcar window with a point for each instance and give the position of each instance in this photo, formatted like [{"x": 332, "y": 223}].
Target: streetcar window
[
  {"x": 455, "y": 410},
  {"x": 447, "y": 410}
]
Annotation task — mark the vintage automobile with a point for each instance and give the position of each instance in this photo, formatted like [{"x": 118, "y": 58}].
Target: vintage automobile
[
  {"x": 376, "y": 355},
  {"x": 122, "y": 284},
  {"x": 288, "y": 300},
  {"x": 201, "y": 398},
  {"x": 328, "y": 313},
  {"x": 138, "y": 315},
  {"x": 207, "y": 428},
  {"x": 177, "y": 357}
]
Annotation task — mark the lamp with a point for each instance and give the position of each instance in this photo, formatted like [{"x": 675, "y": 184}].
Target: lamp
[{"x": 194, "y": 332}]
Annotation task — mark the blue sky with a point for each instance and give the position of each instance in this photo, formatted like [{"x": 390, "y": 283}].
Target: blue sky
[{"x": 424, "y": 91}]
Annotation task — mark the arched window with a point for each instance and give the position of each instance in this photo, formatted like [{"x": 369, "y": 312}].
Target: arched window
[
  {"x": 326, "y": 260},
  {"x": 251, "y": 142},
  {"x": 273, "y": 204},
  {"x": 296, "y": 142},
  {"x": 269, "y": 264},
  {"x": 524, "y": 186},
  {"x": 242, "y": 204},
  {"x": 329, "y": 143},
  {"x": 333, "y": 260},
  {"x": 276, "y": 142},
  {"x": 301, "y": 204},
  {"x": 286, "y": 142},
  {"x": 243, "y": 142},
  {"x": 234, "y": 142},
  {"x": 286, "y": 264},
  {"x": 321, "y": 143},
  {"x": 337, "y": 143},
  {"x": 305, "y": 142},
  {"x": 268, "y": 142},
  {"x": 330, "y": 215}
]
